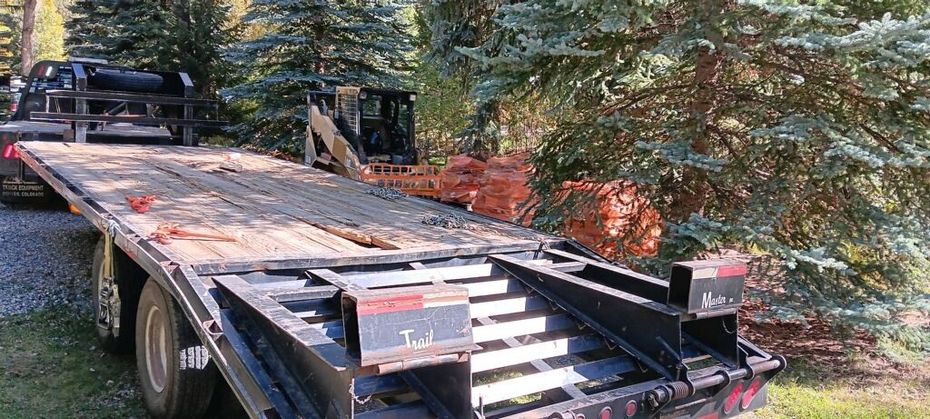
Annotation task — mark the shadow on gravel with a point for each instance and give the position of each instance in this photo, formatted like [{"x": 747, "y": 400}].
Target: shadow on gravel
[{"x": 46, "y": 258}]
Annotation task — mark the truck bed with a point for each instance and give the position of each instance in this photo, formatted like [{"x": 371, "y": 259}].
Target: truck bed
[{"x": 273, "y": 208}]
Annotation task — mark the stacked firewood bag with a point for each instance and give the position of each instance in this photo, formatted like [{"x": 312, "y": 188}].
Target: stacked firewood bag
[
  {"x": 504, "y": 191},
  {"x": 616, "y": 223},
  {"x": 460, "y": 179}
]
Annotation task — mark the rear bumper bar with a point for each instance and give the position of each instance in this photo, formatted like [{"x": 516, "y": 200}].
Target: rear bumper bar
[{"x": 711, "y": 387}]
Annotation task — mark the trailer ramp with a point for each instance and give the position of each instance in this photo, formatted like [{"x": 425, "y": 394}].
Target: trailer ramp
[{"x": 551, "y": 333}]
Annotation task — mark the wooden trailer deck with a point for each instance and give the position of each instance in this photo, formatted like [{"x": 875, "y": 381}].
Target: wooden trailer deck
[{"x": 274, "y": 209}]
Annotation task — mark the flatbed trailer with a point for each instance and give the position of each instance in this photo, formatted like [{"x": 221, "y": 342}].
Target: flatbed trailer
[{"x": 317, "y": 298}]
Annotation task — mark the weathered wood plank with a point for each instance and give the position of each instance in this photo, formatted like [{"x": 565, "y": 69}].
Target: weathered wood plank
[{"x": 277, "y": 210}]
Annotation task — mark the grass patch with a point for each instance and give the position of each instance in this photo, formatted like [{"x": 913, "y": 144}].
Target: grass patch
[
  {"x": 798, "y": 393},
  {"x": 50, "y": 367}
]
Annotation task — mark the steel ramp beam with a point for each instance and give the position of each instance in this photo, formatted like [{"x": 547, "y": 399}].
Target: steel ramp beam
[
  {"x": 648, "y": 330},
  {"x": 617, "y": 277},
  {"x": 326, "y": 371},
  {"x": 713, "y": 331},
  {"x": 372, "y": 317},
  {"x": 294, "y": 346}
]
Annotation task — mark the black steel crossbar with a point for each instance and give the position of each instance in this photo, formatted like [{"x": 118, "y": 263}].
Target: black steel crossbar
[
  {"x": 648, "y": 330},
  {"x": 143, "y": 120},
  {"x": 129, "y": 97}
]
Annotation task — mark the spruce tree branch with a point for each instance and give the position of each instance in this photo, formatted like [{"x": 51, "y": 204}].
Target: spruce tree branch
[
  {"x": 881, "y": 138},
  {"x": 648, "y": 93}
]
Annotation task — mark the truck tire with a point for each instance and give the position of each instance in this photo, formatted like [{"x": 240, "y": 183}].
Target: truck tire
[
  {"x": 176, "y": 373},
  {"x": 127, "y": 81},
  {"x": 127, "y": 284}
]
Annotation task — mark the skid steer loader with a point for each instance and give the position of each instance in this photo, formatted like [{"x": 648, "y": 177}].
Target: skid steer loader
[{"x": 369, "y": 134}]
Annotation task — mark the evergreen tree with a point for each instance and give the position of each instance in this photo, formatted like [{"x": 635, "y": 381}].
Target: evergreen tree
[
  {"x": 466, "y": 24},
  {"x": 458, "y": 24},
  {"x": 202, "y": 33},
  {"x": 185, "y": 35},
  {"x": 50, "y": 32},
  {"x": 310, "y": 45},
  {"x": 90, "y": 29},
  {"x": 9, "y": 39},
  {"x": 797, "y": 130}
]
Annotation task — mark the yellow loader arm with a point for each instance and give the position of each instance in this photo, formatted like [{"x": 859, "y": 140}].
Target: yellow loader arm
[{"x": 342, "y": 157}]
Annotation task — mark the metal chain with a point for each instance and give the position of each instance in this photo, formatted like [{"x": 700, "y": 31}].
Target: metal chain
[
  {"x": 390, "y": 194},
  {"x": 448, "y": 220}
]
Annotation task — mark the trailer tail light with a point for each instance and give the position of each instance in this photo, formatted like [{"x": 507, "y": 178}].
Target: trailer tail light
[
  {"x": 733, "y": 398},
  {"x": 606, "y": 413},
  {"x": 10, "y": 152},
  {"x": 751, "y": 393},
  {"x": 631, "y": 408}
]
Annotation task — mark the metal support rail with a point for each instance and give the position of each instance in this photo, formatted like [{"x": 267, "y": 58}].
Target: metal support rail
[
  {"x": 134, "y": 119},
  {"x": 154, "y": 99},
  {"x": 81, "y": 95}
]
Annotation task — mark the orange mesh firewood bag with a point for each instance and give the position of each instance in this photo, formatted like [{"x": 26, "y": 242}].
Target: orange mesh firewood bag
[
  {"x": 617, "y": 223},
  {"x": 460, "y": 179},
  {"x": 504, "y": 188}
]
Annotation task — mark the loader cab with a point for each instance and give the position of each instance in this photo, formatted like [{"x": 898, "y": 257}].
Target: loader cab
[
  {"x": 387, "y": 126},
  {"x": 380, "y": 123}
]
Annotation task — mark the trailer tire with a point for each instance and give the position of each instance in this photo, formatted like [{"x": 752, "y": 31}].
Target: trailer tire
[
  {"x": 127, "y": 81},
  {"x": 176, "y": 374},
  {"x": 128, "y": 278}
]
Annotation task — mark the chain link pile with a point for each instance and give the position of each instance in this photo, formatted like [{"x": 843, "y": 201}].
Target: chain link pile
[
  {"x": 389, "y": 194},
  {"x": 449, "y": 221}
]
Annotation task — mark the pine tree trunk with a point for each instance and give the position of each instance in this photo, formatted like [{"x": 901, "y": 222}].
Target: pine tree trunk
[
  {"x": 28, "y": 39},
  {"x": 693, "y": 190}
]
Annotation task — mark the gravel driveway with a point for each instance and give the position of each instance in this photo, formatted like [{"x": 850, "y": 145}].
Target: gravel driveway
[{"x": 45, "y": 260}]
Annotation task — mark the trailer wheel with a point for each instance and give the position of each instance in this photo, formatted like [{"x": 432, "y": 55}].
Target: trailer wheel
[
  {"x": 176, "y": 373},
  {"x": 115, "y": 300},
  {"x": 128, "y": 81}
]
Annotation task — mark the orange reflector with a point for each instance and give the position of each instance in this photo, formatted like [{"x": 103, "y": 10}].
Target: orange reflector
[{"x": 74, "y": 209}]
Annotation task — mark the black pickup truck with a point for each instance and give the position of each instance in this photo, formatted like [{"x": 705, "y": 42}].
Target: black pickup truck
[{"x": 86, "y": 100}]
